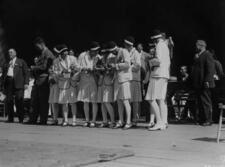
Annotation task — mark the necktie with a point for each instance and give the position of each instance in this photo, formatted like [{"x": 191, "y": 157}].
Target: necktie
[{"x": 11, "y": 64}]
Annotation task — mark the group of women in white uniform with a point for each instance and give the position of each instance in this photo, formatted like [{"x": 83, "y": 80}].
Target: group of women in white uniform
[{"x": 112, "y": 76}]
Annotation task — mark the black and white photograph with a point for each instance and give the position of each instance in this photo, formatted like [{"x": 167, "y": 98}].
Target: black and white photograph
[{"x": 112, "y": 83}]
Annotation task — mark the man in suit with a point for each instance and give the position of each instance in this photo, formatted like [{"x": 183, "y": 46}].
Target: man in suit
[
  {"x": 15, "y": 82},
  {"x": 40, "y": 70},
  {"x": 202, "y": 77}
]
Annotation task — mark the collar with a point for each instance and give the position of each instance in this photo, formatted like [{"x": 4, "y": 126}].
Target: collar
[
  {"x": 161, "y": 40},
  {"x": 45, "y": 48},
  {"x": 132, "y": 50},
  {"x": 201, "y": 52},
  {"x": 61, "y": 59},
  {"x": 13, "y": 60}
]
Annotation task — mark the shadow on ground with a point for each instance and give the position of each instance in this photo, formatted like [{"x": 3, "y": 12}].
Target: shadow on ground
[{"x": 208, "y": 139}]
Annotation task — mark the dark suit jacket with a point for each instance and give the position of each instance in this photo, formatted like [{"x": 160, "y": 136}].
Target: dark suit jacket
[
  {"x": 40, "y": 70},
  {"x": 203, "y": 70},
  {"x": 20, "y": 72}
]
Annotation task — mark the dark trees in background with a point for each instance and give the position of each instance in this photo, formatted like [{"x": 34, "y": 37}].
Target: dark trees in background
[{"x": 78, "y": 22}]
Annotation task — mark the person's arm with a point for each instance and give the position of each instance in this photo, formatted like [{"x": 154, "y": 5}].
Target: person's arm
[
  {"x": 5, "y": 70},
  {"x": 42, "y": 66},
  {"x": 81, "y": 62},
  {"x": 136, "y": 66},
  {"x": 147, "y": 76},
  {"x": 75, "y": 64},
  {"x": 25, "y": 74},
  {"x": 48, "y": 58},
  {"x": 125, "y": 64},
  {"x": 209, "y": 69},
  {"x": 219, "y": 69}
]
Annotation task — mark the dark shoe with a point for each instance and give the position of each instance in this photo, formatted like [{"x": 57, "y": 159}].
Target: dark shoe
[
  {"x": 104, "y": 125},
  {"x": 207, "y": 124},
  {"x": 166, "y": 125},
  {"x": 196, "y": 123},
  {"x": 54, "y": 123},
  {"x": 118, "y": 125},
  {"x": 134, "y": 124},
  {"x": 9, "y": 121},
  {"x": 86, "y": 124},
  {"x": 20, "y": 121},
  {"x": 30, "y": 123},
  {"x": 42, "y": 123},
  {"x": 112, "y": 125}
]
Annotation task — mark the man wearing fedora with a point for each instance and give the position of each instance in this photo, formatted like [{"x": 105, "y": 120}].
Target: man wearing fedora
[
  {"x": 202, "y": 77},
  {"x": 157, "y": 88},
  {"x": 15, "y": 82}
]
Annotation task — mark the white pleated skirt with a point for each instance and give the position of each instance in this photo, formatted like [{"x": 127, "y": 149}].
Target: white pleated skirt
[
  {"x": 106, "y": 90},
  {"x": 87, "y": 89},
  {"x": 67, "y": 92},
  {"x": 122, "y": 90},
  {"x": 157, "y": 89}
]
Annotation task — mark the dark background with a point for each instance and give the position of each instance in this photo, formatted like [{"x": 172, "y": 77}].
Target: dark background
[{"x": 77, "y": 22}]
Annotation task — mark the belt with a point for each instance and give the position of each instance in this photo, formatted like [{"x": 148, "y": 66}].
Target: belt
[
  {"x": 9, "y": 77},
  {"x": 42, "y": 75}
]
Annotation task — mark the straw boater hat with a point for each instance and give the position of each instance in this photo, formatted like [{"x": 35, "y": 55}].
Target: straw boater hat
[
  {"x": 129, "y": 40},
  {"x": 156, "y": 34},
  {"x": 94, "y": 46},
  {"x": 59, "y": 49}
]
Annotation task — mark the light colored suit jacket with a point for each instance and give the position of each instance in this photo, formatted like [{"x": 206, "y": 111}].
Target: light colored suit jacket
[
  {"x": 135, "y": 65},
  {"x": 123, "y": 64},
  {"x": 163, "y": 54}
]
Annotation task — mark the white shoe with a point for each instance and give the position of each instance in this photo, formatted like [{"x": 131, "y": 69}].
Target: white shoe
[
  {"x": 93, "y": 125},
  {"x": 151, "y": 125},
  {"x": 156, "y": 127}
]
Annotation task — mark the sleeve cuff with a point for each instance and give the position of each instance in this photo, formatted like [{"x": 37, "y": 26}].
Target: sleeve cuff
[{"x": 117, "y": 66}]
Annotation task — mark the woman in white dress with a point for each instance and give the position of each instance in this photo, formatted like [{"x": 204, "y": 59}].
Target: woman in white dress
[
  {"x": 122, "y": 85},
  {"x": 67, "y": 81},
  {"x": 105, "y": 90},
  {"x": 135, "y": 83},
  {"x": 87, "y": 86},
  {"x": 99, "y": 75},
  {"x": 157, "y": 89}
]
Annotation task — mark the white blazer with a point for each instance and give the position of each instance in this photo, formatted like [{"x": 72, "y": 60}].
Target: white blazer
[{"x": 163, "y": 54}]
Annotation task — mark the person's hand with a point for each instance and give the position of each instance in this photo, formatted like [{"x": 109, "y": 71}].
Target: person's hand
[
  {"x": 113, "y": 66},
  {"x": 32, "y": 67},
  {"x": 135, "y": 69},
  {"x": 26, "y": 86},
  {"x": 145, "y": 81},
  {"x": 89, "y": 69},
  {"x": 206, "y": 84}
]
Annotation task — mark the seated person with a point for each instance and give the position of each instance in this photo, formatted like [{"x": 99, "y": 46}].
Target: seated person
[{"x": 182, "y": 96}]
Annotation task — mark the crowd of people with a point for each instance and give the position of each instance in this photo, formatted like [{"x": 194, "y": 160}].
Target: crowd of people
[{"x": 103, "y": 75}]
